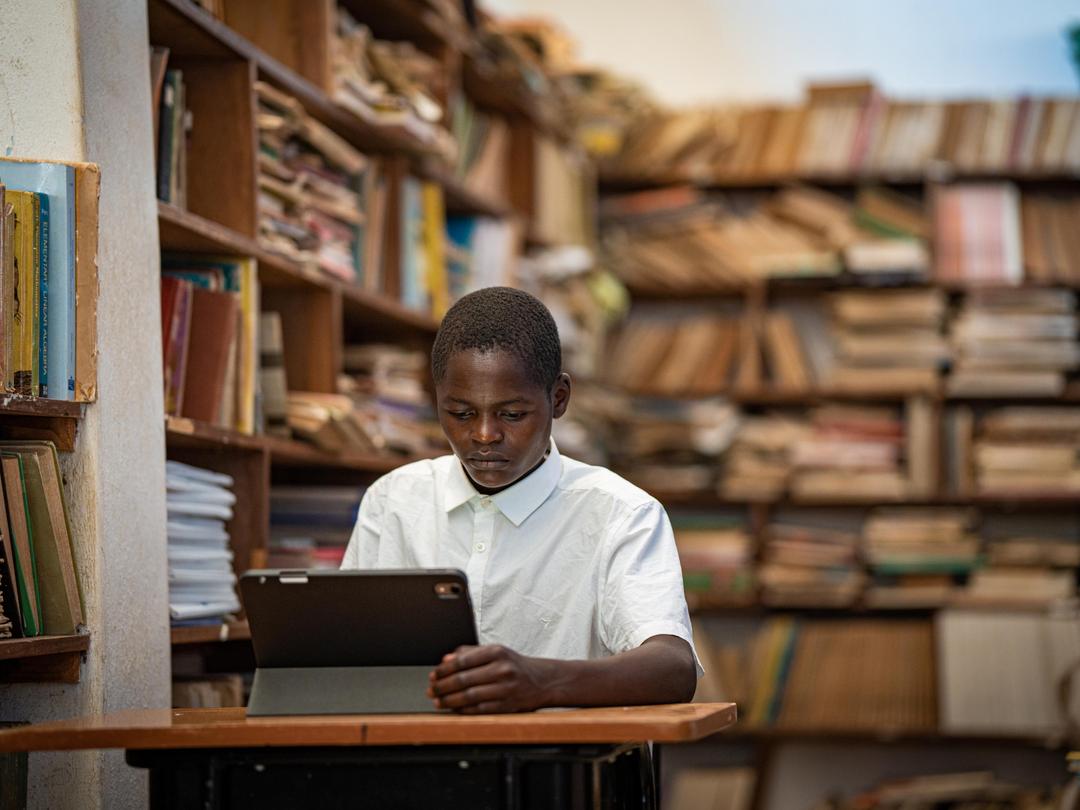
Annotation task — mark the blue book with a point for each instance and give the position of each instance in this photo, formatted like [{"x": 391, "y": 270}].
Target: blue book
[
  {"x": 41, "y": 275},
  {"x": 57, "y": 181}
]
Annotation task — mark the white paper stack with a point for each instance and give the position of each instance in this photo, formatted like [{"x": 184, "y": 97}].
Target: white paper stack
[{"x": 202, "y": 584}]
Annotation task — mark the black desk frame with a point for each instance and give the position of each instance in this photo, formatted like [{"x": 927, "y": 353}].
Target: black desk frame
[{"x": 433, "y": 777}]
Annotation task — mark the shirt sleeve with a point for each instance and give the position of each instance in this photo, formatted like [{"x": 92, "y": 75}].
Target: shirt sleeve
[
  {"x": 641, "y": 594},
  {"x": 363, "y": 548}
]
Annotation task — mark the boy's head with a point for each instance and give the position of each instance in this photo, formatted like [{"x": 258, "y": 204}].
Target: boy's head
[{"x": 497, "y": 367}]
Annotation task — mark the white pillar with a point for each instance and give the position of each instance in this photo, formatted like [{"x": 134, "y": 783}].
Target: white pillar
[{"x": 74, "y": 85}]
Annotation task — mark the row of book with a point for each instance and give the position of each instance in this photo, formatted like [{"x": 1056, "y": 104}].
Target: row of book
[
  {"x": 992, "y": 343},
  {"x": 199, "y": 505},
  {"x": 40, "y": 592},
  {"x": 48, "y": 279},
  {"x": 894, "y": 558},
  {"x": 392, "y": 83},
  {"x": 173, "y": 122},
  {"x": 851, "y": 129},
  {"x": 848, "y": 453},
  {"x": 680, "y": 240},
  {"x": 210, "y": 348},
  {"x": 310, "y": 526},
  {"x": 965, "y": 672},
  {"x": 731, "y": 787}
]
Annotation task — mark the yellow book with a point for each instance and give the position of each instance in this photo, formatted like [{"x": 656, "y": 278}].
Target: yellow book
[
  {"x": 248, "y": 356},
  {"x": 24, "y": 313},
  {"x": 437, "y": 280}
]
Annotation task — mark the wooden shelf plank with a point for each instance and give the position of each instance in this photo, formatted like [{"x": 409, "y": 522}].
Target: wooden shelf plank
[
  {"x": 883, "y": 736},
  {"x": 710, "y": 500},
  {"x": 45, "y": 408},
  {"x": 182, "y": 432},
  {"x": 614, "y": 182},
  {"x": 210, "y": 634},
  {"x": 386, "y": 313},
  {"x": 12, "y": 648},
  {"x": 287, "y": 453},
  {"x": 407, "y": 19}
]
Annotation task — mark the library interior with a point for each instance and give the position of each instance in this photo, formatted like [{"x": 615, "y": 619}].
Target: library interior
[{"x": 814, "y": 268}]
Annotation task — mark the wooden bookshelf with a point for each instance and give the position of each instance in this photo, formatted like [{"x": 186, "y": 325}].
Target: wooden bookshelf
[{"x": 52, "y": 659}]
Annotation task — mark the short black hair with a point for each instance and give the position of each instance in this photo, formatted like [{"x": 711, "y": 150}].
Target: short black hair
[{"x": 501, "y": 318}]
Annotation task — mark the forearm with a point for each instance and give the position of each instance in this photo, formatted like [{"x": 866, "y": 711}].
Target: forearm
[{"x": 661, "y": 670}]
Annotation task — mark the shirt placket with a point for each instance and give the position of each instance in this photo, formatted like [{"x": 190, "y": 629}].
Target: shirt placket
[{"x": 483, "y": 535}]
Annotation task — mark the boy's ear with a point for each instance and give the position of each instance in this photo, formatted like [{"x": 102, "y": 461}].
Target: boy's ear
[{"x": 560, "y": 395}]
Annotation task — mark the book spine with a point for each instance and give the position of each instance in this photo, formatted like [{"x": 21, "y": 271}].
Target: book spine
[
  {"x": 42, "y": 284},
  {"x": 165, "y": 143}
]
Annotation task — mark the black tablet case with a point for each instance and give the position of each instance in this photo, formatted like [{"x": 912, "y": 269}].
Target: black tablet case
[{"x": 352, "y": 642}]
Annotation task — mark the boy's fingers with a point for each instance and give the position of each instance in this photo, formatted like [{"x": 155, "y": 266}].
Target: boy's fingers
[
  {"x": 465, "y": 658},
  {"x": 473, "y": 696},
  {"x": 466, "y": 679}
]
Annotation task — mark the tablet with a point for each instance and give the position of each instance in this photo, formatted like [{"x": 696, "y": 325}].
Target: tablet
[{"x": 340, "y": 642}]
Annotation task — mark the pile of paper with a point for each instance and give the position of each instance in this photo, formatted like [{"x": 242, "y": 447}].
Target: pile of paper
[{"x": 202, "y": 584}]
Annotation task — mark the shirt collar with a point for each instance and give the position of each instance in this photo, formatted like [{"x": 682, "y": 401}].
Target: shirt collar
[{"x": 516, "y": 502}]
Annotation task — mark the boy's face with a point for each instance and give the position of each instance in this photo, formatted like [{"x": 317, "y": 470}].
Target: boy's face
[{"x": 497, "y": 419}]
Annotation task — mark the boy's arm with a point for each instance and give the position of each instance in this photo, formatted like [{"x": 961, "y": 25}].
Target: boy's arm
[{"x": 493, "y": 678}]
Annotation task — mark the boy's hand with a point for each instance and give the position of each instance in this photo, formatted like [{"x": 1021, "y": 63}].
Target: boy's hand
[{"x": 488, "y": 679}]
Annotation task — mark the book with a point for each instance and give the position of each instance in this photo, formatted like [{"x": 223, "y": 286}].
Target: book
[
  {"x": 273, "y": 382},
  {"x": 213, "y": 327},
  {"x": 22, "y": 543},
  {"x": 24, "y": 313},
  {"x": 9, "y": 573},
  {"x": 57, "y": 257},
  {"x": 58, "y": 585}
]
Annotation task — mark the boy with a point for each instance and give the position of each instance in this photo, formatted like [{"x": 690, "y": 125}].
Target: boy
[{"x": 572, "y": 571}]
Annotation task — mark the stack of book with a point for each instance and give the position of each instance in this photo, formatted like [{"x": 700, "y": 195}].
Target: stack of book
[
  {"x": 714, "y": 788},
  {"x": 998, "y": 587},
  {"x": 850, "y": 452},
  {"x": 1014, "y": 343},
  {"x": 1027, "y": 451},
  {"x": 759, "y": 464},
  {"x": 208, "y": 691},
  {"x": 881, "y": 236},
  {"x": 310, "y": 526},
  {"x": 315, "y": 191},
  {"x": 977, "y": 234},
  {"x": 1048, "y": 223},
  {"x": 386, "y": 384},
  {"x": 671, "y": 446},
  {"x": 679, "y": 245},
  {"x": 390, "y": 83},
  {"x": 561, "y": 204},
  {"x": 172, "y": 128},
  {"x": 810, "y": 566},
  {"x": 918, "y": 540},
  {"x": 202, "y": 585},
  {"x": 47, "y": 331},
  {"x": 209, "y": 336},
  {"x": 688, "y": 145},
  {"x": 717, "y": 561},
  {"x": 39, "y": 590},
  {"x": 887, "y": 342}
]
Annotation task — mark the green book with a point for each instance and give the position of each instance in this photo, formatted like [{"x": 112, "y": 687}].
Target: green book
[{"x": 22, "y": 538}]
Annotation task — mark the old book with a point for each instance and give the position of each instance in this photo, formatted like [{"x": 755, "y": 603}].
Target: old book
[
  {"x": 787, "y": 362},
  {"x": 272, "y": 376},
  {"x": 922, "y": 447},
  {"x": 7, "y": 270},
  {"x": 58, "y": 585},
  {"x": 213, "y": 328},
  {"x": 748, "y": 372},
  {"x": 9, "y": 573},
  {"x": 24, "y": 314},
  {"x": 23, "y": 543}
]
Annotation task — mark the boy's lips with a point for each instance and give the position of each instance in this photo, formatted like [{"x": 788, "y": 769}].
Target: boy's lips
[{"x": 487, "y": 462}]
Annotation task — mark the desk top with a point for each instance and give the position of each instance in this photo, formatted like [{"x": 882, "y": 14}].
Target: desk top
[{"x": 232, "y": 728}]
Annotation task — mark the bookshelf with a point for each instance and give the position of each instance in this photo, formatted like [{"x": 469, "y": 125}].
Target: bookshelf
[
  {"x": 760, "y": 742},
  {"x": 320, "y": 314},
  {"x": 48, "y": 659}
]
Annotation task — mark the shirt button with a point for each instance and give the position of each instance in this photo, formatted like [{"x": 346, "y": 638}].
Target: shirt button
[
  {"x": 485, "y": 502},
  {"x": 480, "y": 548}
]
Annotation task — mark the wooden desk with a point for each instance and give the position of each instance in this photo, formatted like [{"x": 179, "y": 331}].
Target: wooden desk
[{"x": 220, "y": 758}]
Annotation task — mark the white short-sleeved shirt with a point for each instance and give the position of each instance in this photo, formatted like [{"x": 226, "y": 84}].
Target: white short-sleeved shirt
[{"x": 571, "y": 562}]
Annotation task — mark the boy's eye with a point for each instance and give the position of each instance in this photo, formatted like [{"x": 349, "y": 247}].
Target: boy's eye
[
  {"x": 513, "y": 415},
  {"x": 460, "y": 414}
]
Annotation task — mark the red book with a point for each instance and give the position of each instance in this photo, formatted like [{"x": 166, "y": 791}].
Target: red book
[{"x": 210, "y": 342}]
